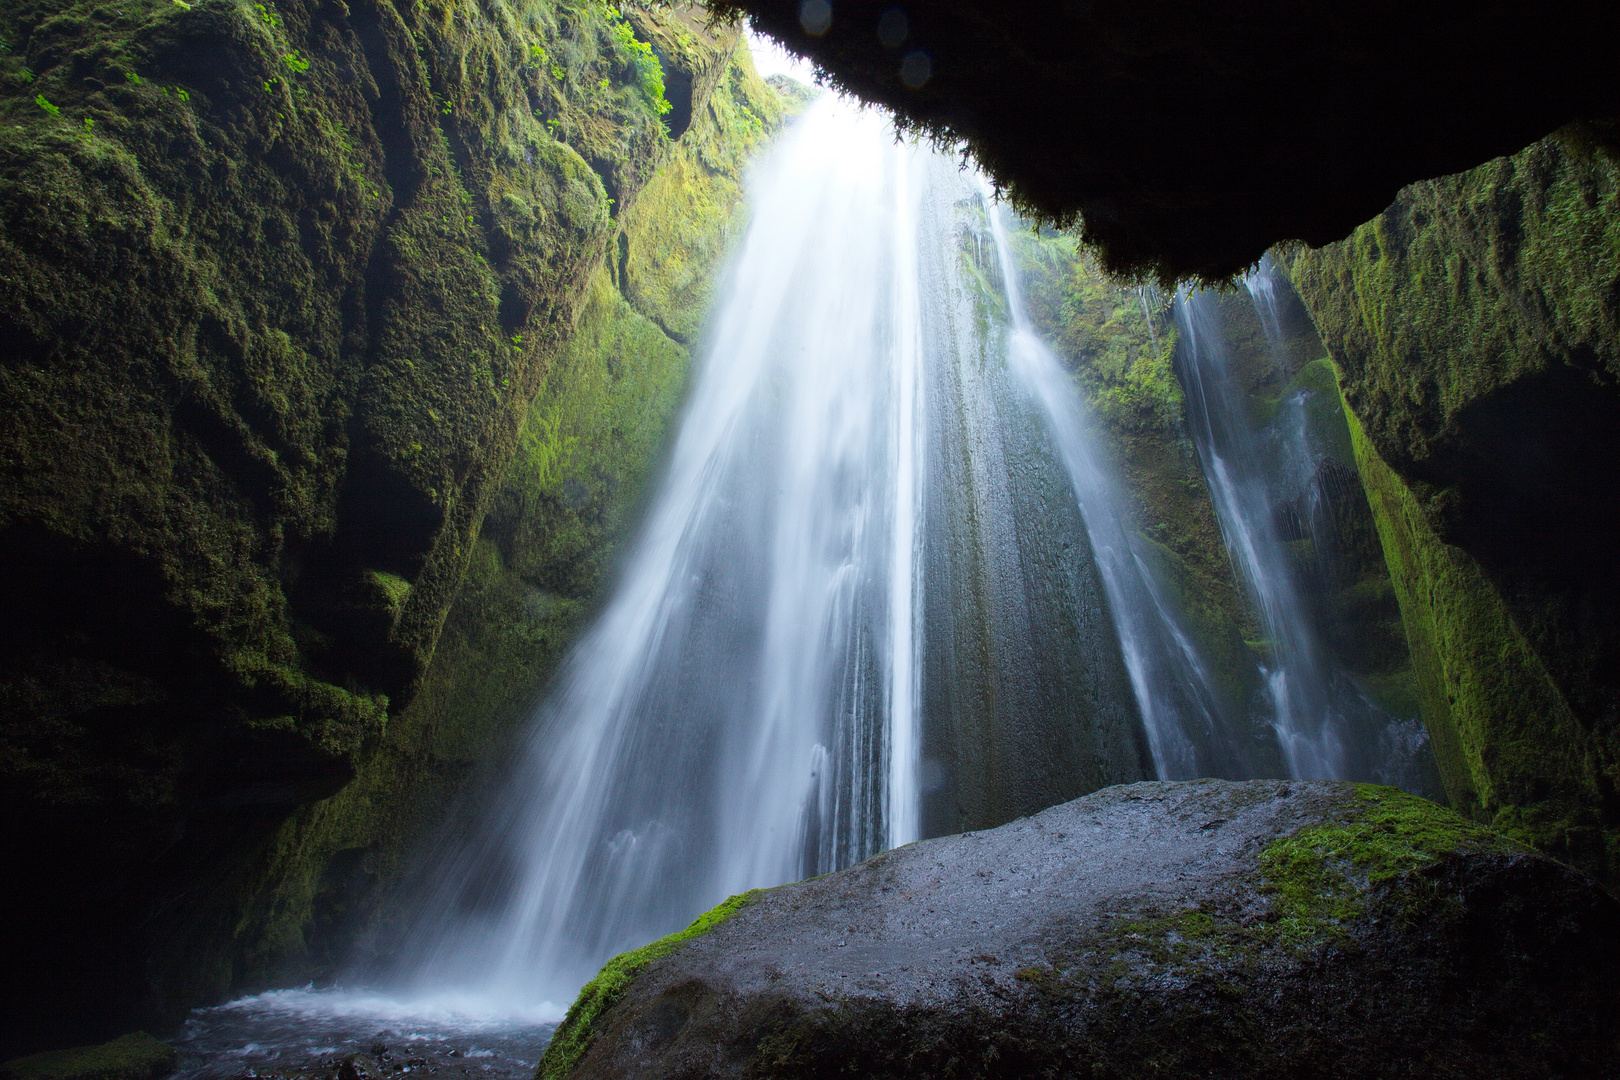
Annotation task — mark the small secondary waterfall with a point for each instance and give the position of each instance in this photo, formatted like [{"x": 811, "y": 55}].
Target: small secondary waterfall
[
  {"x": 854, "y": 528},
  {"x": 1262, "y": 476},
  {"x": 1173, "y": 684}
]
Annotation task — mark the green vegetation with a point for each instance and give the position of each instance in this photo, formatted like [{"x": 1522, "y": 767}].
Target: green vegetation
[
  {"x": 293, "y": 337},
  {"x": 1321, "y": 878},
  {"x": 573, "y": 1037},
  {"x": 1482, "y": 311},
  {"x": 649, "y": 71},
  {"x": 136, "y": 1056},
  {"x": 591, "y": 438},
  {"x": 1506, "y": 742}
]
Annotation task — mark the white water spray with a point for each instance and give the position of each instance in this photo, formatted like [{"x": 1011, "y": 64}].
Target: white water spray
[{"x": 744, "y": 711}]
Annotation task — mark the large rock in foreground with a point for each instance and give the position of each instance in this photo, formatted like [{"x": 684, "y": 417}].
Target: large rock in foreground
[{"x": 1205, "y": 929}]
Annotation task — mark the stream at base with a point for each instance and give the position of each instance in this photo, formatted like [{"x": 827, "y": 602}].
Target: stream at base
[{"x": 355, "y": 1035}]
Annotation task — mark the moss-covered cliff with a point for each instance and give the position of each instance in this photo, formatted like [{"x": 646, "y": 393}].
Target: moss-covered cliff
[
  {"x": 590, "y": 444},
  {"x": 1476, "y": 325},
  {"x": 289, "y": 287}
]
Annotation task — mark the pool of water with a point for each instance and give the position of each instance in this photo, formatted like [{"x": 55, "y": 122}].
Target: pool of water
[{"x": 352, "y": 1035}]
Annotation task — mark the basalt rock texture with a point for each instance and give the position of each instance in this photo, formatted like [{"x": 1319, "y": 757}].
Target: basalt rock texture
[
  {"x": 1476, "y": 326},
  {"x": 1214, "y": 929},
  {"x": 1190, "y": 136},
  {"x": 281, "y": 283}
]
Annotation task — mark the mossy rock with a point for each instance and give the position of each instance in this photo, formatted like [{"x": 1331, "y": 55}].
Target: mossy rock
[
  {"x": 1245, "y": 930},
  {"x": 136, "y": 1056},
  {"x": 284, "y": 281},
  {"x": 578, "y": 1030},
  {"x": 1476, "y": 329}
]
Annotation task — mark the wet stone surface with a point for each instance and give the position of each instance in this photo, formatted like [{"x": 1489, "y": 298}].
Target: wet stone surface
[{"x": 1213, "y": 929}]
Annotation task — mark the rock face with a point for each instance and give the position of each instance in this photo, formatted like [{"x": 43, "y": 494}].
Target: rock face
[
  {"x": 1476, "y": 326},
  {"x": 281, "y": 284},
  {"x": 1188, "y": 137},
  {"x": 1215, "y": 929}
]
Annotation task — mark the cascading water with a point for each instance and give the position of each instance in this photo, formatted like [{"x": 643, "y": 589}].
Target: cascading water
[
  {"x": 1173, "y": 684},
  {"x": 815, "y": 565},
  {"x": 885, "y": 506},
  {"x": 1261, "y": 476}
]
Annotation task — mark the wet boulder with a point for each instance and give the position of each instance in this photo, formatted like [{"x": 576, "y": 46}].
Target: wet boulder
[
  {"x": 1211, "y": 929},
  {"x": 136, "y": 1056}
]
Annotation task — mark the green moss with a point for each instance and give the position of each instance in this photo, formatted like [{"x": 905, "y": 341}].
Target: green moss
[
  {"x": 1475, "y": 324},
  {"x": 1321, "y": 878},
  {"x": 592, "y": 437},
  {"x": 283, "y": 337},
  {"x": 573, "y": 1037},
  {"x": 675, "y": 233},
  {"x": 1508, "y": 746},
  {"x": 136, "y": 1056}
]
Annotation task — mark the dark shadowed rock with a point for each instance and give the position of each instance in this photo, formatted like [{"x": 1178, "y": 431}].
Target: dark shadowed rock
[
  {"x": 136, "y": 1056},
  {"x": 1211, "y": 929},
  {"x": 1190, "y": 136}
]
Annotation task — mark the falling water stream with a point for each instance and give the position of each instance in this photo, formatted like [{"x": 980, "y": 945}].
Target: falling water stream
[
  {"x": 887, "y": 588},
  {"x": 1261, "y": 475},
  {"x": 744, "y": 710}
]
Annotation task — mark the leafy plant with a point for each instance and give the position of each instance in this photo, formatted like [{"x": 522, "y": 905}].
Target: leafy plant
[
  {"x": 54, "y": 110},
  {"x": 296, "y": 62},
  {"x": 132, "y": 78},
  {"x": 89, "y": 124},
  {"x": 650, "y": 71},
  {"x": 268, "y": 15}
]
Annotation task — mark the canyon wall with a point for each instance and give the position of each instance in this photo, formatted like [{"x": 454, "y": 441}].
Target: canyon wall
[{"x": 339, "y": 340}]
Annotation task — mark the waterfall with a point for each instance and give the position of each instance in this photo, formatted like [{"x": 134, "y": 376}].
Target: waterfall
[
  {"x": 1263, "y": 288},
  {"x": 1173, "y": 684},
  {"x": 854, "y": 529},
  {"x": 1312, "y": 737},
  {"x": 1276, "y": 485}
]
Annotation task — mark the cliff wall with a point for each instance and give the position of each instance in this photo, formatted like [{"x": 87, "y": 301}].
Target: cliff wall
[
  {"x": 307, "y": 472},
  {"x": 1476, "y": 326}
]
